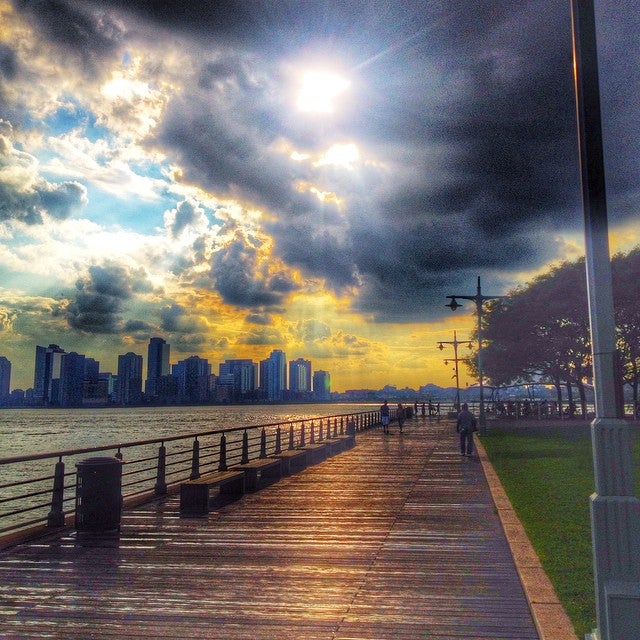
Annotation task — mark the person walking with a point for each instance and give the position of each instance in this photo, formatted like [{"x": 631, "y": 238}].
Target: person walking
[
  {"x": 384, "y": 417},
  {"x": 465, "y": 426},
  {"x": 400, "y": 415}
]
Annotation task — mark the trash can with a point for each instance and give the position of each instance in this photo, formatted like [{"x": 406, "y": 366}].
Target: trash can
[{"x": 98, "y": 494}]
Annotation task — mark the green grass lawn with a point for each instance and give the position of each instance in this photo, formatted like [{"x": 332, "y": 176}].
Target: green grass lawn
[{"x": 548, "y": 475}]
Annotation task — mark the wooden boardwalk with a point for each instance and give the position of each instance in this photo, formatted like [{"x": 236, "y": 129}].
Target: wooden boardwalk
[{"x": 397, "y": 538}]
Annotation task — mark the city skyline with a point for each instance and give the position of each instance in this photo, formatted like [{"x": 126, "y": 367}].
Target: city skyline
[
  {"x": 134, "y": 381},
  {"x": 314, "y": 177}
]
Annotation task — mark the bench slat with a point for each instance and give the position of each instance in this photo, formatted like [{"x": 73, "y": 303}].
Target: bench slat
[{"x": 194, "y": 494}]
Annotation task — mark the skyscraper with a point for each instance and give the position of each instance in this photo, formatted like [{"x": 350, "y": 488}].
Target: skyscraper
[
  {"x": 192, "y": 375},
  {"x": 46, "y": 377},
  {"x": 129, "y": 382},
  {"x": 273, "y": 375},
  {"x": 5, "y": 378},
  {"x": 157, "y": 364},
  {"x": 321, "y": 386},
  {"x": 299, "y": 377},
  {"x": 72, "y": 376},
  {"x": 242, "y": 373}
]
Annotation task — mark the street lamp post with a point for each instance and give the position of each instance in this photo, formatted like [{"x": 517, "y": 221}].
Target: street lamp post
[
  {"x": 615, "y": 510},
  {"x": 479, "y": 299},
  {"x": 455, "y": 344}
]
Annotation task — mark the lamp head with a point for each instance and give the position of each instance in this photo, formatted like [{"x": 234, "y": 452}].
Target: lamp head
[
  {"x": 453, "y": 305},
  {"x": 440, "y": 346}
]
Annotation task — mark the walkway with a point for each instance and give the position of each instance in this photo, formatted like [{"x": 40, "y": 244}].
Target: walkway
[{"x": 397, "y": 538}]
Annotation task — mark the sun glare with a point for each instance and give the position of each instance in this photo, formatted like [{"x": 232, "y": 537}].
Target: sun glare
[
  {"x": 319, "y": 90},
  {"x": 340, "y": 155}
]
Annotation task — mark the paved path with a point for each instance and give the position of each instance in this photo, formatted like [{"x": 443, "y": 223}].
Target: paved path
[{"x": 397, "y": 538}]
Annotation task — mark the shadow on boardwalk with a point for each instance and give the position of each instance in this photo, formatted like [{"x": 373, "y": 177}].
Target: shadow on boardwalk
[{"x": 397, "y": 538}]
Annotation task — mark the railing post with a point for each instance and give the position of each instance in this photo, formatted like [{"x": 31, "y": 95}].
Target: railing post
[
  {"x": 119, "y": 454},
  {"x": 321, "y": 432},
  {"x": 291, "y": 438},
  {"x": 263, "y": 444},
  {"x": 335, "y": 427},
  {"x": 222, "y": 464},
  {"x": 56, "y": 515},
  {"x": 341, "y": 425},
  {"x": 302, "y": 442},
  {"x": 351, "y": 432},
  {"x": 312, "y": 437},
  {"x": 278, "y": 447},
  {"x": 245, "y": 448},
  {"x": 161, "y": 485},
  {"x": 195, "y": 461}
]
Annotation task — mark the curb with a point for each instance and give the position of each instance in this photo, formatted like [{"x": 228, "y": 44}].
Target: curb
[{"x": 551, "y": 620}]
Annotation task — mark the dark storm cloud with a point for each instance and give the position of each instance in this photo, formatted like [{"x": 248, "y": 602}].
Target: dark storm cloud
[
  {"x": 99, "y": 300},
  {"x": 224, "y": 140},
  {"x": 138, "y": 327},
  {"x": 8, "y": 62},
  {"x": 187, "y": 332},
  {"x": 184, "y": 215},
  {"x": 264, "y": 319},
  {"x": 57, "y": 200},
  {"x": 470, "y": 112},
  {"x": 101, "y": 296},
  {"x": 171, "y": 317},
  {"x": 241, "y": 280},
  {"x": 474, "y": 119},
  {"x": 77, "y": 32}
]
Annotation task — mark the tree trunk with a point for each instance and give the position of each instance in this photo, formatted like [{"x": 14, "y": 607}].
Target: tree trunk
[
  {"x": 583, "y": 398},
  {"x": 558, "y": 386},
  {"x": 571, "y": 407}
]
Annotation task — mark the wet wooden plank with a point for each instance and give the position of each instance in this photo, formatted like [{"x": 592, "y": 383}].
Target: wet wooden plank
[{"x": 396, "y": 538}]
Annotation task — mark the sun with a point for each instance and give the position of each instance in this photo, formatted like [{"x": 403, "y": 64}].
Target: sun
[{"x": 319, "y": 89}]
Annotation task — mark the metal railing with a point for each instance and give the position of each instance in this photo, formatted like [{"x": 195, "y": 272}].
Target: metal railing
[{"x": 32, "y": 500}]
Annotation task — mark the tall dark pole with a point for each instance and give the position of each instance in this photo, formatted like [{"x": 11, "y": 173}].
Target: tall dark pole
[
  {"x": 482, "y": 418},
  {"x": 479, "y": 299},
  {"x": 615, "y": 511},
  {"x": 455, "y": 344}
]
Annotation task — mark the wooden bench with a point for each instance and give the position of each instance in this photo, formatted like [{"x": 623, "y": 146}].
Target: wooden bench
[
  {"x": 194, "y": 494},
  {"x": 336, "y": 445},
  {"x": 293, "y": 460},
  {"x": 317, "y": 452},
  {"x": 261, "y": 472}
]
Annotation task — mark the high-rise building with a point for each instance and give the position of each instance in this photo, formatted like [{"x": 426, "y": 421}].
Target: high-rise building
[
  {"x": 5, "y": 378},
  {"x": 321, "y": 386},
  {"x": 72, "y": 368},
  {"x": 110, "y": 380},
  {"x": 192, "y": 375},
  {"x": 91, "y": 369},
  {"x": 241, "y": 375},
  {"x": 299, "y": 377},
  {"x": 129, "y": 381},
  {"x": 273, "y": 375},
  {"x": 157, "y": 365},
  {"x": 46, "y": 378}
]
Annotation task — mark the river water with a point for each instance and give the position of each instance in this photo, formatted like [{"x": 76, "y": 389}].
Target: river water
[
  {"x": 31, "y": 431},
  {"x": 26, "y": 486}
]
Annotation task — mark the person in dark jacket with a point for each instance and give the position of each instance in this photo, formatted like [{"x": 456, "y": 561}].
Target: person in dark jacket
[
  {"x": 384, "y": 417},
  {"x": 465, "y": 426},
  {"x": 400, "y": 415}
]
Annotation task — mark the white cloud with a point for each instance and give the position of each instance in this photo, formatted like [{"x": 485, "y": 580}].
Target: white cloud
[{"x": 102, "y": 164}]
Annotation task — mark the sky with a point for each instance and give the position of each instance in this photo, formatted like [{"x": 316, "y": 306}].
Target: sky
[{"x": 314, "y": 176}]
